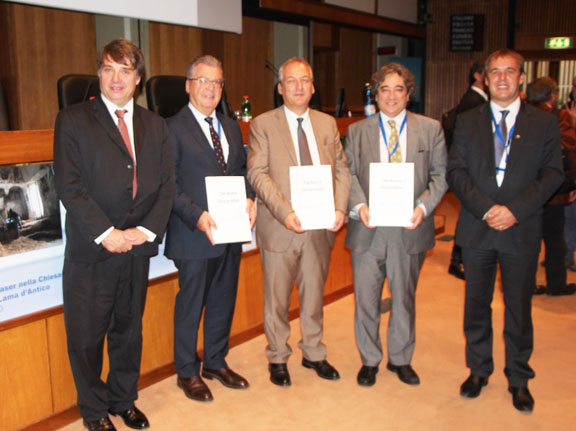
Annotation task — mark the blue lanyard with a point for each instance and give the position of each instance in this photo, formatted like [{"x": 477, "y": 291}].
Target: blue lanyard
[
  {"x": 384, "y": 135},
  {"x": 219, "y": 128},
  {"x": 501, "y": 138}
]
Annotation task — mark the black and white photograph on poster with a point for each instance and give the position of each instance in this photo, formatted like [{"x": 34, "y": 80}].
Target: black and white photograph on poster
[
  {"x": 31, "y": 240},
  {"x": 29, "y": 210}
]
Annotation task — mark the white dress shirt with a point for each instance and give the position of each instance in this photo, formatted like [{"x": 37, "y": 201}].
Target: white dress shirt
[
  {"x": 514, "y": 108},
  {"x": 201, "y": 118},
  {"x": 292, "y": 119}
]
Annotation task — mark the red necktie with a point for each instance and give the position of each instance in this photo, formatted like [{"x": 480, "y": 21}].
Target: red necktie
[{"x": 126, "y": 137}]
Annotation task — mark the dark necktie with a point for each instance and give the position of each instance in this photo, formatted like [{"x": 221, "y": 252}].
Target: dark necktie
[
  {"x": 217, "y": 144},
  {"x": 305, "y": 158},
  {"x": 126, "y": 138},
  {"x": 499, "y": 146}
]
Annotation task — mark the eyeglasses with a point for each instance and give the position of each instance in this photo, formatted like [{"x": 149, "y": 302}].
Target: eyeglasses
[{"x": 205, "y": 82}]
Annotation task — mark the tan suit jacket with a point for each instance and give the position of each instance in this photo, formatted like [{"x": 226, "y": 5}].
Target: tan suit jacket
[{"x": 270, "y": 155}]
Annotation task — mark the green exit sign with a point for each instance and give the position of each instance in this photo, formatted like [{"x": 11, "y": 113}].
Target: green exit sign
[{"x": 559, "y": 42}]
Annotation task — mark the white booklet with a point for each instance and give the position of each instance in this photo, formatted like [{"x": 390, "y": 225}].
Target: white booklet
[
  {"x": 227, "y": 206},
  {"x": 391, "y": 194},
  {"x": 313, "y": 196}
]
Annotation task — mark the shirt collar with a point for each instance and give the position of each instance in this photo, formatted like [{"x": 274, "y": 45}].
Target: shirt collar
[
  {"x": 480, "y": 92},
  {"x": 199, "y": 115},
  {"x": 398, "y": 119},
  {"x": 513, "y": 108},
  {"x": 291, "y": 115},
  {"x": 112, "y": 108}
]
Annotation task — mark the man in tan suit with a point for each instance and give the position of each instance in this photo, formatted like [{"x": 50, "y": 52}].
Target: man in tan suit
[{"x": 294, "y": 135}]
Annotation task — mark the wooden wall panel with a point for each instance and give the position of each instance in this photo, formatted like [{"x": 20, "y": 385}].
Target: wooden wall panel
[
  {"x": 63, "y": 389},
  {"x": 25, "y": 393},
  {"x": 243, "y": 57},
  {"x": 446, "y": 71},
  {"x": 34, "y": 63},
  {"x": 172, "y": 47},
  {"x": 540, "y": 17}
]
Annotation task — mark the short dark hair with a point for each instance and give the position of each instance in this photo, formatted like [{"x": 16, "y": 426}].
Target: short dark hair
[
  {"x": 124, "y": 52},
  {"x": 477, "y": 67},
  {"x": 541, "y": 90},
  {"x": 380, "y": 75},
  {"x": 505, "y": 52}
]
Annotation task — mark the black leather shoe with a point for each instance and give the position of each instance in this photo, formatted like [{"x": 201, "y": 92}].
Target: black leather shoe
[
  {"x": 472, "y": 387},
  {"x": 522, "y": 399},
  {"x": 405, "y": 373},
  {"x": 570, "y": 289},
  {"x": 279, "y": 374},
  {"x": 195, "y": 388},
  {"x": 102, "y": 424},
  {"x": 227, "y": 377},
  {"x": 322, "y": 368},
  {"x": 539, "y": 290},
  {"x": 367, "y": 375},
  {"x": 457, "y": 270},
  {"x": 133, "y": 418}
]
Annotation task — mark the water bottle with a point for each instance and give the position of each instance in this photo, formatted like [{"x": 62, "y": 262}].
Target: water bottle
[
  {"x": 246, "y": 109},
  {"x": 368, "y": 98}
]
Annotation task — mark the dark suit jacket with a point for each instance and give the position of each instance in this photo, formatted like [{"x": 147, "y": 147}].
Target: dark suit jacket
[
  {"x": 194, "y": 159},
  {"x": 93, "y": 172},
  {"x": 470, "y": 99},
  {"x": 533, "y": 173}
]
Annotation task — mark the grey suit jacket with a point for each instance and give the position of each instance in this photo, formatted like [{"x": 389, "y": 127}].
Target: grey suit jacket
[
  {"x": 426, "y": 149},
  {"x": 270, "y": 155}
]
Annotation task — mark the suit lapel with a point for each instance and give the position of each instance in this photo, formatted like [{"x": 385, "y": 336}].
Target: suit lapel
[
  {"x": 412, "y": 137},
  {"x": 105, "y": 120},
  {"x": 285, "y": 135},
  {"x": 486, "y": 142},
  {"x": 198, "y": 136},
  {"x": 233, "y": 148},
  {"x": 373, "y": 141},
  {"x": 521, "y": 129}
]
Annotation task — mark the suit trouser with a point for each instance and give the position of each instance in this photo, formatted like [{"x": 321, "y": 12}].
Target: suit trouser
[
  {"x": 553, "y": 235},
  {"x": 207, "y": 286},
  {"x": 306, "y": 261},
  {"x": 518, "y": 274},
  {"x": 105, "y": 299},
  {"x": 370, "y": 271}
]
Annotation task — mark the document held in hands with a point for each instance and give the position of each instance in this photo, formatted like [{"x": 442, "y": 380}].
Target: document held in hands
[
  {"x": 312, "y": 196},
  {"x": 227, "y": 206},
  {"x": 391, "y": 194}
]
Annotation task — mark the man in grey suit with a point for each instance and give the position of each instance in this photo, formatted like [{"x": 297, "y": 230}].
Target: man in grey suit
[
  {"x": 289, "y": 252},
  {"x": 392, "y": 136},
  {"x": 204, "y": 144}
]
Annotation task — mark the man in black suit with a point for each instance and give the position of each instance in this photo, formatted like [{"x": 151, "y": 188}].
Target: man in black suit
[
  {"x": 504, "y": 164},
  {"x": 204, "y": 144},
  {"x": 474, "y": 96},
  {"x": 114, "y": 175}
]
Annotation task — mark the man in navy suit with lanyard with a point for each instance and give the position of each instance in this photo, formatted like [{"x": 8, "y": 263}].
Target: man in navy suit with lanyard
[
  {"x": 504, "y": 164},
  {"x": 204, "y": 144}
]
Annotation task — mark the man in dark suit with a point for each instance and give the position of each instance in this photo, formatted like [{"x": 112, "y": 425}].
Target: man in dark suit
[
  {"x": 204, "y": 144},
  {"x": 394, "y": 135},
  {"x": 288, "y": 252},
  {"x": 114, "y": 175},
  {"x": 474, "y": 96},
  {"x": 504, "y": 165}
]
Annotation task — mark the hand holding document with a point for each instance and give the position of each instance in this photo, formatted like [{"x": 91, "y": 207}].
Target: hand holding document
[
  {"x": 391, "y": 194},
  {"x": 227, "y": 207},
  {"x": 313, "y": 196}
]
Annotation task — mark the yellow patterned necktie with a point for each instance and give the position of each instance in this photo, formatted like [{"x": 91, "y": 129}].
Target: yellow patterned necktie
[{"x": 394, "y": 156}]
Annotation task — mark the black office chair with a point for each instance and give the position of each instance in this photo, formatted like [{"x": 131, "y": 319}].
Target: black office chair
[
  {"x": 4, "y": 119},
  {"x": 166, "y": 94},
  {"x": 75, "y": 88}
]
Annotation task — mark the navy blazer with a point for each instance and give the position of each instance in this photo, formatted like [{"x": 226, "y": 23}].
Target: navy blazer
[
  {"x": 194, "y": 159},
  {"x": 94, "y": 171},
  {"x": 534, "y": 171}
]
